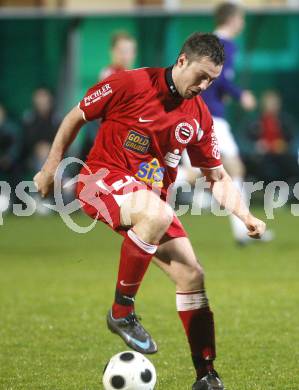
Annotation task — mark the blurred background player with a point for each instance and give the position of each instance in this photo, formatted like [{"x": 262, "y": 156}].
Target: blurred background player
[
  {"x": 229, "y": 19},
  {"x": 123, "y": 54},
  {"x": 39, "y": 123},
  {"x": 272, "y": 151}
]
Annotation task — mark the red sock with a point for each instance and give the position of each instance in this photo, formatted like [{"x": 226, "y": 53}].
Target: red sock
[
  {"x": 134, "y": 261},
  {"x": 197, "y": 319}
]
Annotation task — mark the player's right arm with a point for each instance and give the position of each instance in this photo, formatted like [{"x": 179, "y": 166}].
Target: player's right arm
[
  {"x": 66, "y": 133},
  {"x": 100, "y": 101}
]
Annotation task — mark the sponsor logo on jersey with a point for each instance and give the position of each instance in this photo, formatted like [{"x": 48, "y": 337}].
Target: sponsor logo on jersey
[
  {"x": 97, "y": 95},
  {"x": 151, "y": 173},
  {"x": 141, "y": 120},
  {"x": 172, "y": 159},
  {"x": 184, "y": 132},
  {"x": 137, "y": 142},
  {"x": 215, "y": 146}
]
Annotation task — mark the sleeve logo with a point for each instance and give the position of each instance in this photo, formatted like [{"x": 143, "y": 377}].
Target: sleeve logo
[
  {"x": 97, "y": 95},
  {"x": 215, "y": 146}
]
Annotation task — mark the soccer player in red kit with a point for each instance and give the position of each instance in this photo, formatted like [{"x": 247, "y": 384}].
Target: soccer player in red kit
[{"x": 149, "y": 116}]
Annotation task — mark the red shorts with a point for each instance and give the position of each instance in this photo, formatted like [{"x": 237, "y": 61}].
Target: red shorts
[{"x": 102, "y": 194}]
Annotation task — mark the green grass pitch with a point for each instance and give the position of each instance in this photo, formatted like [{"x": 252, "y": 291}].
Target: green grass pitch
[{"x": 56, "y": 287}]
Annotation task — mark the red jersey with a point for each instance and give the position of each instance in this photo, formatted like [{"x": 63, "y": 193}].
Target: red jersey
[
  {"x": 146, "y": 126},
  {"x": 110, "y": 70}
]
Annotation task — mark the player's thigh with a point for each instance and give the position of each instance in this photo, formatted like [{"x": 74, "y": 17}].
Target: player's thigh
[
  {"x": 177, "y": 259},
  {"x": 144, "y": 205}
]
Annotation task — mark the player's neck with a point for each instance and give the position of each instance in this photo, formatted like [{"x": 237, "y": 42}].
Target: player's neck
[
  {"x": 117, "y": 63},
  {"x": 225, "y": 32}
]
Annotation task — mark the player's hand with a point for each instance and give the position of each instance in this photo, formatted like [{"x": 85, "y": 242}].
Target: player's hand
[
  {"x": 248, "y": 101},
  {"x": 256, "y": 227},
  {"x": 44, "y": 182}
]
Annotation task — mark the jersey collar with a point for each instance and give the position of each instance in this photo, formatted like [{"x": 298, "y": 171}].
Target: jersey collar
[{"x": 169, "y": 81}]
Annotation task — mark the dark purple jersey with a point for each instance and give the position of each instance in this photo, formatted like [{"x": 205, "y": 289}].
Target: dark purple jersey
[{"x": 224, "y": 84}]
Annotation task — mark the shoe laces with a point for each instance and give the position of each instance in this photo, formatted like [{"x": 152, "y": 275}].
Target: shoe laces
[{"x": 132, "y": 319}]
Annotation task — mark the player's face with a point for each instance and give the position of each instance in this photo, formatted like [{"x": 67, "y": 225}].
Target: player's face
[
  {"x": 42, "y": 100},
  {"x": 124, "y": 53},
  {"x": 271, "y": 102},
  {"x": 194, "y": 77}
]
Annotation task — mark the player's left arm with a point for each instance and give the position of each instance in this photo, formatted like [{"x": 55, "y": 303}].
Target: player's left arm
[
  {"x": 205, "y": 155},
  {"x": 228, "y": 196}
]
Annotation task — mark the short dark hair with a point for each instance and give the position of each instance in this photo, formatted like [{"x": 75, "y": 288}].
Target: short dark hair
[
  {"x": 204, "y": 45},
  {"x": 119, "y": 36},
  {"x": 224, "y": 11}
]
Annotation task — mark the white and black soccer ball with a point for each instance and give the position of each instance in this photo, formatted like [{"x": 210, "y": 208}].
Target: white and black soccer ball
[{"x": 129, "y": 370}]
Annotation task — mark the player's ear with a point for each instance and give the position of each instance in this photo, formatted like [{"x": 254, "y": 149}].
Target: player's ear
[{"x": 182, "y": 60}]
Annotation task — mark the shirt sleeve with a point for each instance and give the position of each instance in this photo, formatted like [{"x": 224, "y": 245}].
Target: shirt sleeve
[
  {"x": 226, "y": 84},
  {"x": 204, "y": 153},
  {"x": 104, "y": 97}
]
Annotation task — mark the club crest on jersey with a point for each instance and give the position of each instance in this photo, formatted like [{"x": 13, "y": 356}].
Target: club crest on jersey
[
  {"x": 151, "y": 173},
  {"x": 137, "y": 142},
  {"x": 184, "y": 132}
]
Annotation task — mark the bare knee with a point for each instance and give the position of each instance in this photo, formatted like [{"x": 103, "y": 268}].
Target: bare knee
[
  {"x": 148, "y": 214},
  {"x": 153, "y": 223},
  {"x": 190, "y": 278},
  {"x": 152, "y": 226},
  {"x": 160, "y": 219}
]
